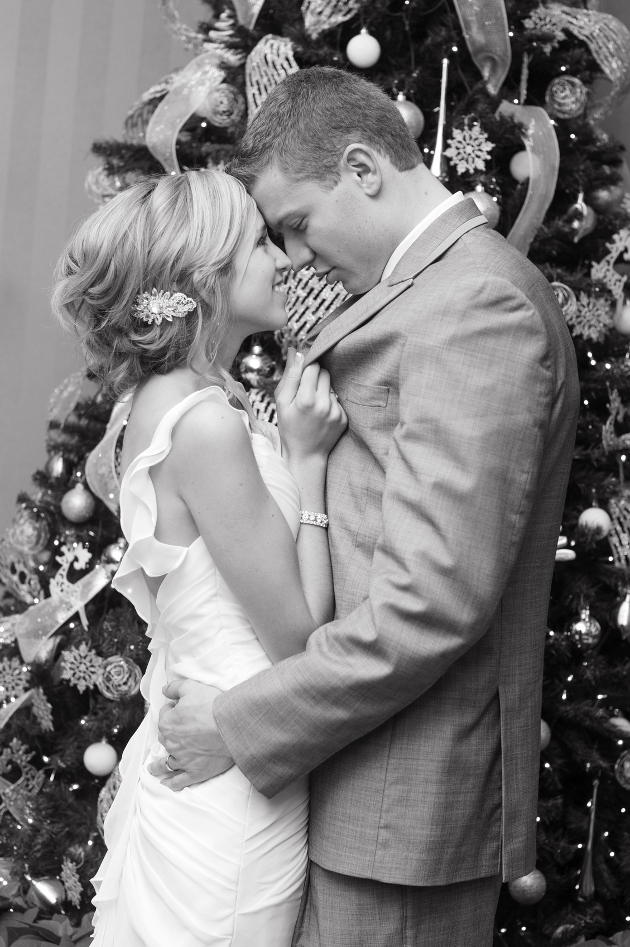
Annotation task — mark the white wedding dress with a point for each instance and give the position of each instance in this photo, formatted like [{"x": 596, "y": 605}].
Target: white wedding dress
[{"x": 217, "y": 864}]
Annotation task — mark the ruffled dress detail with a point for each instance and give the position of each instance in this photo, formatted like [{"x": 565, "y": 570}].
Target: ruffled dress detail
[{"x": 217, "y": 864}]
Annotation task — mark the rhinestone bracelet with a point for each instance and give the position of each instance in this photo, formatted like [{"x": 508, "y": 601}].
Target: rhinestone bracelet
[{"x": 314, "y": 519}]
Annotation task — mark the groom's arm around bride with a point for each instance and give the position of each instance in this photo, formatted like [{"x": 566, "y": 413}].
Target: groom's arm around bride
[{"x": 417, "y": 710}]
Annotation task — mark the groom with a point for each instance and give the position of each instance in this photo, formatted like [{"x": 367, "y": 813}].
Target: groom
[{"x": 417, "y": 710}]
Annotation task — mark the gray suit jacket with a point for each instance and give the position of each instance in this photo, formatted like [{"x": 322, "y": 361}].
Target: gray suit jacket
[{"x": 418, "y": 707}]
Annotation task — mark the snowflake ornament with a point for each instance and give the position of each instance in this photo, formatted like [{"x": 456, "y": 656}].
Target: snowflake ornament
[
  {"x": 592, "y": 319},
  {"x": 80, "y": 666},
  {"x": 605, "y": 271},
  {"x": 469, "y": 148},
  {"x": 542, "y": 21},
  {"x": 14, "y": 678},
  {"x": 70, "y": 880}
]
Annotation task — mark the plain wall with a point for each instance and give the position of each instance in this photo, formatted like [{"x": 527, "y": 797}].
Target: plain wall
[{"x": 69, "y": 72}]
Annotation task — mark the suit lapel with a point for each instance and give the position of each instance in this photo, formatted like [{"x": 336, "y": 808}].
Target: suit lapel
[{"x": 430, "y": 246}]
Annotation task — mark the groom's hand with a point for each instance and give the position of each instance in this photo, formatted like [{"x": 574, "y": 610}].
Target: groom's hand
[{"x": 190, "y": 736}]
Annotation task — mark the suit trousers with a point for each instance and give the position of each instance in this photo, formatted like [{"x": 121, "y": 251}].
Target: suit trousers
[{"x": 343, "y": 911}]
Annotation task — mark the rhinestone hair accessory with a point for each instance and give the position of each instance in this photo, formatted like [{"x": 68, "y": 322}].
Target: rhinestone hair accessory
[{"x": 155, "y": 306}]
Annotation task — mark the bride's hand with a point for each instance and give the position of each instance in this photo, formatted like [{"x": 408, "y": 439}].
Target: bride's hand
[{"x": 310, "y": 418}]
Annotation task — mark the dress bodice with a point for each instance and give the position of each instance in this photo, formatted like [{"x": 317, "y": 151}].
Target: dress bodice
[{"x": 195, "y": 616}]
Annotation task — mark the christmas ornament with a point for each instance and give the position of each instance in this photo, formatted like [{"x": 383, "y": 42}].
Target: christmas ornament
[
  {"x": 486, "y": 204},
  {"x": 412, "y": 115},
  {"x": 71, "y": 882},
  {"x": 520, "y": 166},
  {"x": 436, "y": 164},
  {"x": 545, "y": 735},
  {"x": 223, "y": 106},
  {"x": 42, "y": 710},
  {"x": 469, "y": 148},
  {"x": 562, "y": 553},
  {"x": 540, "y": 23},
  {"x": 530, "y": 888},
  {"x": 19, "y": 574},
  {"x": 323, "y": 15},
  {"x": 78, "y": 504},
  {"x": 566, "y": 298},
  {"x": 363, "y": 51},
  {"x": 118, "y": 677},
  {"x": 623, "y": 617},
  {"x": 606, "y": 199},
  {"x": 607, "y": 39},
  {"x": 269, "y": 62},
  {"x": 566, "y": 97},
  {"x": 190, "y": 89},
  {"x": 101, "y": 470},
  {"x": 621, "y": 317},
  {"x": 595, "y": 522},
  {"x": 486, "y": 31},
  {"x": 45, "y": 892},
  {"x": 65, "y": 397},
  {"x": 605, "y": 272},
  {"x": 622, "y": 769},
  {"x": 580, "y": 218},
  {"x": 100, "y": 758},
  {"x": 17, "y": 798},
  {"x": 586, "y": 630},
  {"x": 80, "y": 666},
  {"x": 593, "y": 317},
  {"x": 618, "y": 506},
  {"x": 14, "y": 678},
  {"x": 56, "y": 466},
  {"x": 256, "y": 367},
  {"x": 28, "y": 532},
  {"x": 113, "y": 554},
  {"x": 106, "y": 796},
  {"x": 586, "y": 886}
]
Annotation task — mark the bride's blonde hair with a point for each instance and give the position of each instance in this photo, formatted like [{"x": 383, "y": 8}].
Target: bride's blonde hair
[{"x": 178, "y": 233}]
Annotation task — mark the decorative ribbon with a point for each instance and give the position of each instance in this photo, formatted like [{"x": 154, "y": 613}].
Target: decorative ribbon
[
  {"x": 190, "y": 88},
  {"x": 485, "y": 27},
  {"x": 269, "y": 62},
  {"x": 18, "y": 797},
  {"x": 247, "y": 11},
  {"x": 23, "y": 701},
  {"x": 100, "y": 467},
  {"x": 608, "y": 40},
  {"x": 542, "y": 148},
  {"x": 322, "y": 15}
]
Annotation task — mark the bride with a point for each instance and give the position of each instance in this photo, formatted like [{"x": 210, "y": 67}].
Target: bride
[{"x": 162, "y": 285}]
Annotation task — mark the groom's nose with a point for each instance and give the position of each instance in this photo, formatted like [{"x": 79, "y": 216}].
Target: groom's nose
[{"x": 299, "y": 254}]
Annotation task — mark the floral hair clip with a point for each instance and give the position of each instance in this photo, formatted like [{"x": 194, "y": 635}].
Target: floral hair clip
[{"x": 155, "y": 306}]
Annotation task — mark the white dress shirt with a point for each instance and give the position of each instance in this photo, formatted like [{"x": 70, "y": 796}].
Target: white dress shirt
[{"x": 402, "y": 248}]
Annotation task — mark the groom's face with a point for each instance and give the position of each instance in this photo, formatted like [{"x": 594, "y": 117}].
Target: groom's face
[{"x": 329, "y": 229}]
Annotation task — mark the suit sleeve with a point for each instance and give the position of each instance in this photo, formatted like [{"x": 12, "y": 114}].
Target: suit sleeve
[{"x": 475, "y": 395}]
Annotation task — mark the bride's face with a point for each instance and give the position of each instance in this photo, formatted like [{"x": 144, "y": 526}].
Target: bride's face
[{"x": 257, "y": 300}]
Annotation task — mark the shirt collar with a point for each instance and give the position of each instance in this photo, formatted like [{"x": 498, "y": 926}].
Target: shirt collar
[{"x": 402, "y": 247}]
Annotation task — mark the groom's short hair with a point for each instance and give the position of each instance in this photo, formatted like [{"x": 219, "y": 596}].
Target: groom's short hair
[{"x": 305, "y": 124}]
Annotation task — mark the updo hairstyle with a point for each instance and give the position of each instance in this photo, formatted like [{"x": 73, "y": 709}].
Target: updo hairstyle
[{"x": 177, "y": 233}]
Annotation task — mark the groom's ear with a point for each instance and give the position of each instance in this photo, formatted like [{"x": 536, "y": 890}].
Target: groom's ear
[{"x": 361, "y": 165}]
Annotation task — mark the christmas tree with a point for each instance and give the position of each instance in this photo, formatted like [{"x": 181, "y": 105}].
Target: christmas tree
[{"x": 506, "y": 101}]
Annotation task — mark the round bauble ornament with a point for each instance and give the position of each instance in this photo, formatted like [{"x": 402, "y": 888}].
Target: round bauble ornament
[
  {"x": 621, "y": 316},
  {"x": 78, "y": 504},
  {"x": 623, "y": 617},
  {"x": 545, "y": 734},
  {"x": 223, "y": 106},
  {"x": 566, "y": 97},
  {"x": 566, "y": 298},
  {"x": 586, "y": 630},
  {"x": 622, "y": 769},
  {"x": 28, "y": 532},
  {"x": 118, "y": 677},
  {"x": 523, "y": 164},
  {"x": 605, "y": 199},
  {"x": 256, "y": 367},
  {"x": 363, "y": 50},
  {"x": 56, "y": 466},
  {"x": 595, "y": 522},
  {"x": 113, "y": 554},
  {"x": 486, "y": 204},
  {"x": 530, "y": 888},
  {"x": 100, "y": 758},
  {"x": 580, "y": 219},
  {"x": 412, "y": 116},
  {"x": 45, "y": 892}
]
